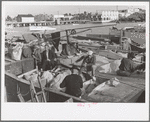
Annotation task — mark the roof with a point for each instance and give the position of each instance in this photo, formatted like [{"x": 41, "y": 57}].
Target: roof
[
  {"x": 58, "y": 16},
  {"x": 25, "y": 15},
  {"x": 123, "y": 10}
]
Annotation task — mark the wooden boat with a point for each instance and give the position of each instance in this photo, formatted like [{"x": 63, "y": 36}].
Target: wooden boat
[
  {"x": 12, "y": 82},
  {"x": 137, "y": 48},
  {"x": 91, "y": 38},
  {"x": 15, "y": 68}
]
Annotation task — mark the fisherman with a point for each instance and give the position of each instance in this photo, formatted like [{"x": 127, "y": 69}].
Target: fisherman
[
  {"x": 6, "y": 36},
  {"x": 126, "y": 44},
  {"x": 88, "y": 63},
  {"x": 127, "y": 66},
  {"x": 37, "y": 56},
  {"x": 49, "y": 58},
  {"x": 73, "y": 83}
]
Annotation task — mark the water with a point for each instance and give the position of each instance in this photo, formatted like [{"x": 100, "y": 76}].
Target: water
[{"x": 18, "y": 31}]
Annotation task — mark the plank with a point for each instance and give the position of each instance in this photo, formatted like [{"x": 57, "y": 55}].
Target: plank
[
  {"x": 133, "y": 81},
  {"x": 8, "y": 59},
  {"x": 133, "y": 96},
  {"x": 64, "y": 94},
  {"x": 17, "y": 79},
  {"x": 27, "y": 73},
  {"x": 27, "y": 59},
  {"x": 37, "y": 86},
  {"x": 110, "y": 54},
  {"x": 91, "y": 38}
]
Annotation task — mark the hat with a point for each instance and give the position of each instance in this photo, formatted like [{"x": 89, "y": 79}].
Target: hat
[
  {"x": 74, "y": 67},
  {"x": 90, "y": 52}
]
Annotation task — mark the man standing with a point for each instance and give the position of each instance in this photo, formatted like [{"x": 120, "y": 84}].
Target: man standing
[
  {"x": 49, "y": 60},
  {"x": 127, "y": 66},
  {"x": 126, "y": 44},
  {"x": 73, "y": 83},
  {"x": 88, "y": 63}
]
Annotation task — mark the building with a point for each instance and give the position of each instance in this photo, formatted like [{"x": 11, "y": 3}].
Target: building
[
  {"x": 43, "y": 17},
  {"x": 108, "y": 16},
  {"x": 62, "y": 17},
  {"x": 129, "y": 11},
  {"x": 122, "y": 13},
  {"x": 58, "y": 17},
  {"x": 25, "y": 18}
]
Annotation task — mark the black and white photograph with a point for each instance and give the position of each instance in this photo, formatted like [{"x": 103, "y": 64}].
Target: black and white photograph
[{"x": 75, "y": 60}]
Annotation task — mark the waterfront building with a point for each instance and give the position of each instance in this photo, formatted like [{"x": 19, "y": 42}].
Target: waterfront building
[
  {"x": 59, "y": 18},
  {"x": 129, "y": 11},
  {"x": 25, "y": 18},
  {"x": 108, "y": 16}
]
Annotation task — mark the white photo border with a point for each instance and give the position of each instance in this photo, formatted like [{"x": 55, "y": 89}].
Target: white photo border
[{"x": 70, "y": 111}]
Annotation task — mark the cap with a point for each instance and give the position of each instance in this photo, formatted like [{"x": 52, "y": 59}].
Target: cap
[{"x": 90, "y": 52}]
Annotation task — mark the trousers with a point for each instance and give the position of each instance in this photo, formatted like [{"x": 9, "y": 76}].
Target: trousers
[
  {"x": 123, "y": 73},
  {"x": 91, "y": 68},
  {"x": 48, "y": 65}
]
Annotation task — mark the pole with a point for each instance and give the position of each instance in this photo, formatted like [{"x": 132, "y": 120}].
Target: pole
[
  {"x": 67, "y": 36},
  {"x": 58, "y": 13},
  {"x": 79, "y": 13},
  {"x": 44, "y": 16}
]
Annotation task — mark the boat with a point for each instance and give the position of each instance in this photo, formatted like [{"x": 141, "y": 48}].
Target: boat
[
  {"x": 39, "y": 28},
  {"x": 19, "y": 90},
  {"x": 13, "y": 81}
]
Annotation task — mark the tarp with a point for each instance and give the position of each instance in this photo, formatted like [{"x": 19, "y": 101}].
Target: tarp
[
  {"x": 111, "y": 67},
  {"x": 68, "y": 50},
  {"x": 29, "y": 37},
  {"x": 58, "y": 80},
  {"x": 123, "y": 54},
  {"x": 56, "y": 39},
  {"x": 26, "y": 52},
  {"x": 16, "y": 51},
  {"x": 106, "y": 93}
]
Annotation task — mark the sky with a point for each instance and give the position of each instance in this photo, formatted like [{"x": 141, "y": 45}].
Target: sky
[{"x": 14, "y": 10}]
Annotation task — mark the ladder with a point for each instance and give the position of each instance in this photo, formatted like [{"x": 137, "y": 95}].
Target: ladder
[{"x": 34, "y": 94}]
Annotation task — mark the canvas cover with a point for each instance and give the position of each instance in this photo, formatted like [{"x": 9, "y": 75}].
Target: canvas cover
[
  {"x": 29, "y": 37},
  {"x": 58, "y": 80},
  {"x": 111, "y": 67},
  {"x": 16, "y": 51},
  {"x": 105, "y": 92}
]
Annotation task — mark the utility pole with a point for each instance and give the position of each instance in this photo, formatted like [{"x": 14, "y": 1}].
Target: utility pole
[
  {"x": 117, "y": 8},
  {"x": 79, "y": 13},
  {"x": 44, "y": 16},
  {"x": 58, "y": 13},
  {"x": 67, "y": 36}
]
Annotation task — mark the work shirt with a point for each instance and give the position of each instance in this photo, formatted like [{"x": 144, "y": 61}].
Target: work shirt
[
  {"x": 89, "y": 61},
  {"x": 128, "y": 65},
  {"x": 49, "y": 55},
  {"x": 126, "y": 46},
  {"x": 73, "y": 83}
]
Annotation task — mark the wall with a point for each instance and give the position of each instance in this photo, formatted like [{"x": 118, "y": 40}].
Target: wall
[
  {"x": 109, "y": 16},
  {"x": 18, "y": 19},
  {"x": 27, "y": 19}
]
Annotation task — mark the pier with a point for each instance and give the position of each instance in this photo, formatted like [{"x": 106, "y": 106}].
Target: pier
[{"x": 43, "y": 23}]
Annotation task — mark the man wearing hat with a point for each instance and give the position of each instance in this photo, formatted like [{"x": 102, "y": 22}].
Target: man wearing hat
[
  {"x": 73, "y": 83},
  {"x": 127, "y": 66},
  {"x": 88, "y": 62}
]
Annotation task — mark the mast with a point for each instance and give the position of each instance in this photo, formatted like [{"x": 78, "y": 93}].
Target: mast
[{"x": 67, "y": 36}]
